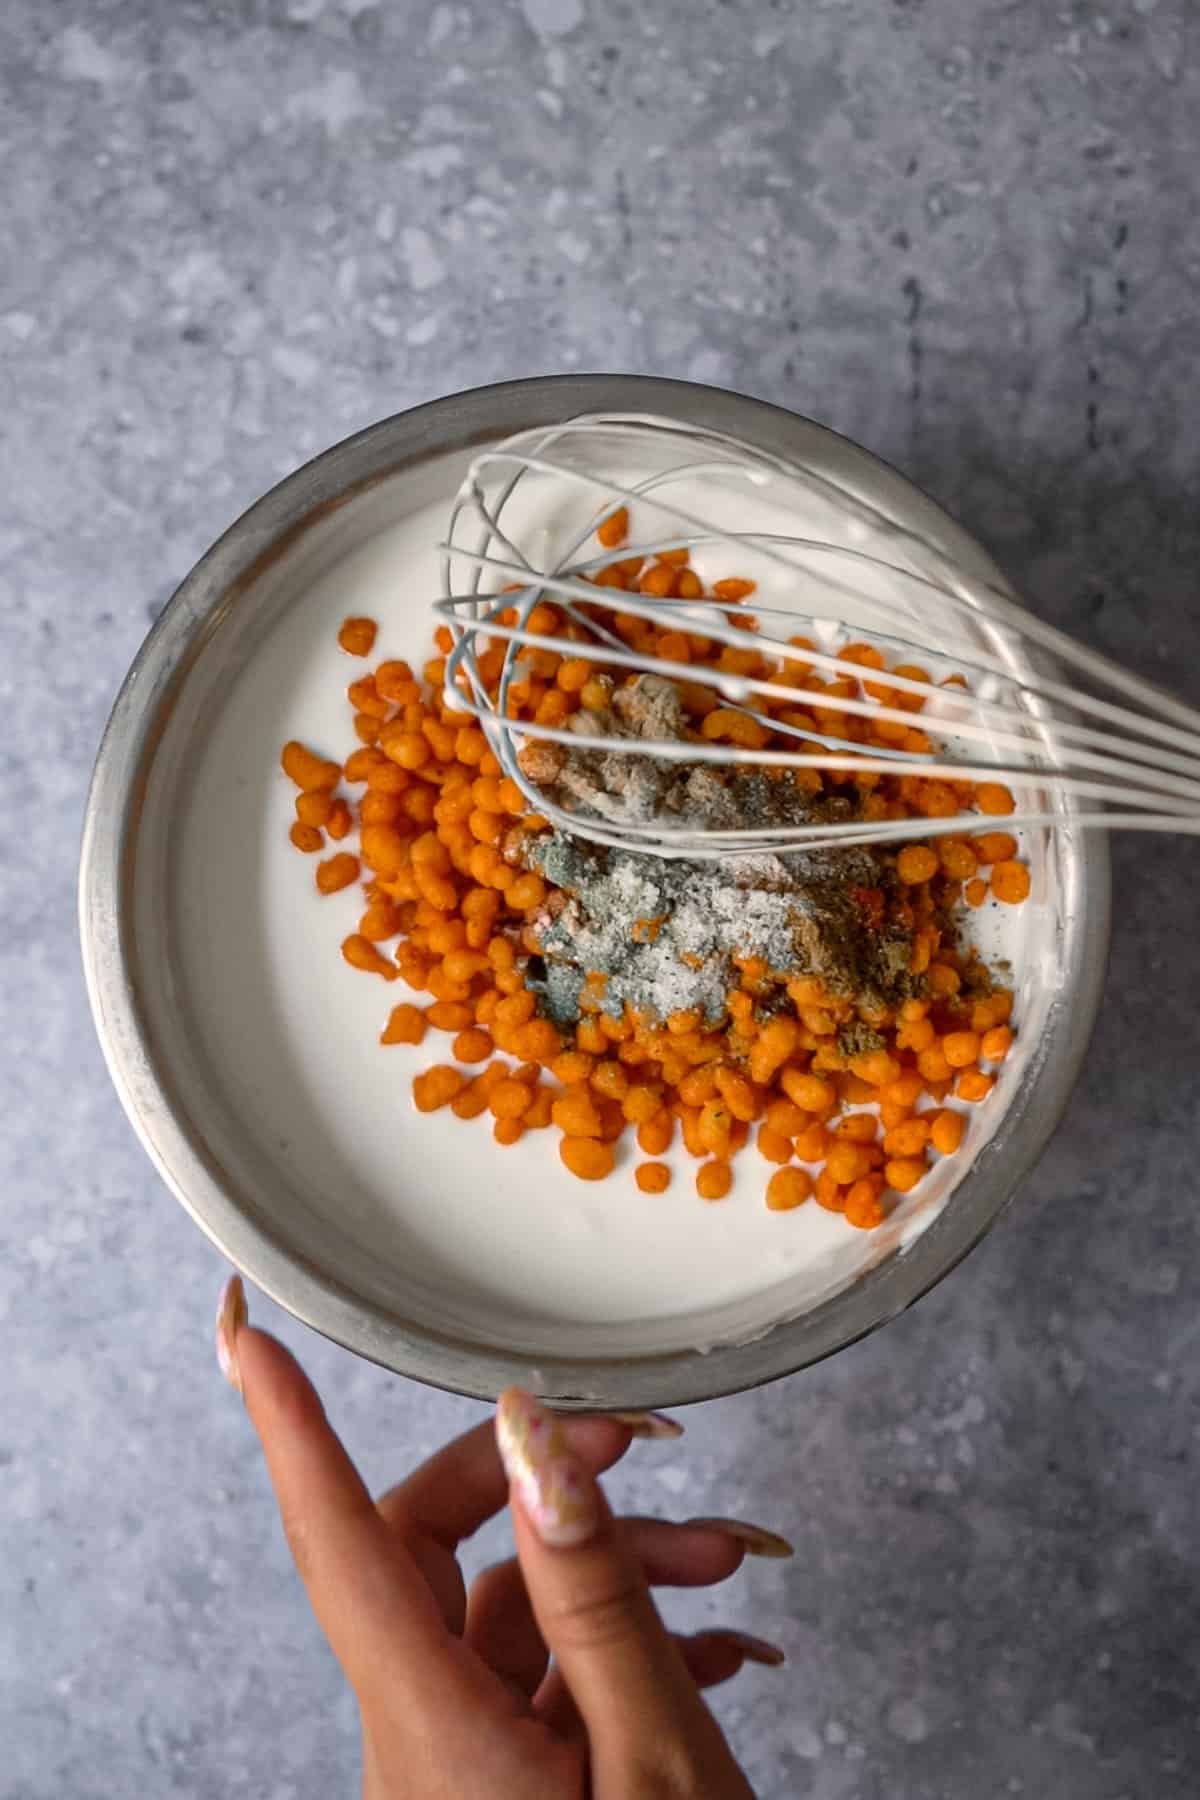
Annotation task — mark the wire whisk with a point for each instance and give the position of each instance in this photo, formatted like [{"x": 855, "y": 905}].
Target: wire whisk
[{"x": 999, "y": 696}]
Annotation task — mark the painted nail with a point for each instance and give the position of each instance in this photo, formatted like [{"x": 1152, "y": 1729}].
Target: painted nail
[
  {"x": 232, "y": 1314},
  {"x": 754, "y": 1649},
  {"x": 757, "y": 1539},
  {"x": 555, "y": 1489},
  {"x": 647, "y": 1424}
]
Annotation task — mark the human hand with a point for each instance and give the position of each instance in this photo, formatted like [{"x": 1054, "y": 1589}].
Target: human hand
[{"x": 457, "y": 1694}]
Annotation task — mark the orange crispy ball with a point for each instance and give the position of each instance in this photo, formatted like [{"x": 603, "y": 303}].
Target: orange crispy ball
[
  {"x": 310, "y": 772},
  {"x": 443, "y": 836},
  {"x": 864, "y": 1204},
  {"x": 654, "y": 1135},
  {"x": 576, "y": 1114},
  {"x": 470, "y": 1101},
  {"x": 614, "y": 530},
  {"x": 916, "y": 863},
  {"x": 314, "y": 808},
  {"x": 339, "y": 821},
  {"x": 904, "y": 1172},
  {"x": 357, "y": 636},
  {"x": 994, "y": 847},
  {"x": 653, "y": 1177},
  {"x": 788, "y": 1188},
  {"x": 337, "y": 873},
  {"x": 1010, "y": 882},
  {"x": 946, "y": 1132},
  {"x": 958, "y": 859},
  {"x": 714, "y": 1180},
  {"x": 360, "y": 953},
  {"x": 587, "y": 1158},
  {"x": 993, "y": 798},
  {"x": 437, "y": 1087},
  {"x": 774, "y": 1145},
  {"x": 961, "y": 1048},
  {"x": 510, "y": 1099},
  {"x": 406, "y": 1025}
]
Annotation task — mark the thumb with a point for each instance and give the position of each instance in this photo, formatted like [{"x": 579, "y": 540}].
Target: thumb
[{"x": 624, "y": 1672}]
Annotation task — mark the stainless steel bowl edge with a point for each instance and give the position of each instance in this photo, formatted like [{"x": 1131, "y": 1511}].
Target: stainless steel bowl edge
[{"x": 175, "y": 1142}]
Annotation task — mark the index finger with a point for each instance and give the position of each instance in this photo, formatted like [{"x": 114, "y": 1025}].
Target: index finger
[{"x": 368, "y": 1595}]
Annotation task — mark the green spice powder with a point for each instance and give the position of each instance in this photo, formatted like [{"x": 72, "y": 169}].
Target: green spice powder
[{"x": 665, "y": 933}]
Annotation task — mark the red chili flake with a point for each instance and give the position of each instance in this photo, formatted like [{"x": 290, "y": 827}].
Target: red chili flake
[{"x": 869, "y": 900}]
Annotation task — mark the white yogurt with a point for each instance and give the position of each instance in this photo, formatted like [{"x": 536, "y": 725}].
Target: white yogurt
[{"x": 512, "y": 1242}]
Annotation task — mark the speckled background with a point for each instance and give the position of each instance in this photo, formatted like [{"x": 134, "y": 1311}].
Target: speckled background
[{"x": 962, "y": 231}]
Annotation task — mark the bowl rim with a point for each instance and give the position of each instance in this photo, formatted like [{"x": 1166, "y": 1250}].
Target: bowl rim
[{"x": 106, "y": 880}]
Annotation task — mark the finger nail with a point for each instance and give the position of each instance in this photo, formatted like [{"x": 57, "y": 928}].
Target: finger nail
[
  {"x": 231, "y": 1316},
  {"x": 647, "y": 1424},
  {"x": 554, "y": 1488},
  {"x": 757, "y": 1539},
  {"x": 754, "y": 1649}
]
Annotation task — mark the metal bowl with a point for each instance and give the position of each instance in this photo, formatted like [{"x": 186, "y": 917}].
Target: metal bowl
[{"x": 243, "y": 1200}]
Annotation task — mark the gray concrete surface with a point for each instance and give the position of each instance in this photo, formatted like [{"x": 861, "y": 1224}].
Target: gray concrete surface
[{"x": 962, "y": 231}]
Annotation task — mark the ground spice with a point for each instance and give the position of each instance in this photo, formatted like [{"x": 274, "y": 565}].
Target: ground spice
[
  {"x": 669, "y": 936},
  {"x": 621, "y": 785}
]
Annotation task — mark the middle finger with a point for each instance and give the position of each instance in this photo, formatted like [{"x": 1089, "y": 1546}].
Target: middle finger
[{"x": 500, "y": 1625}]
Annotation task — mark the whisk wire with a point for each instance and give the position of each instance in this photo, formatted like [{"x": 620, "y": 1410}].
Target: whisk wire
[
  {"x": 1003, "y": 728},
  {"x": 1028, "y": 725}
]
